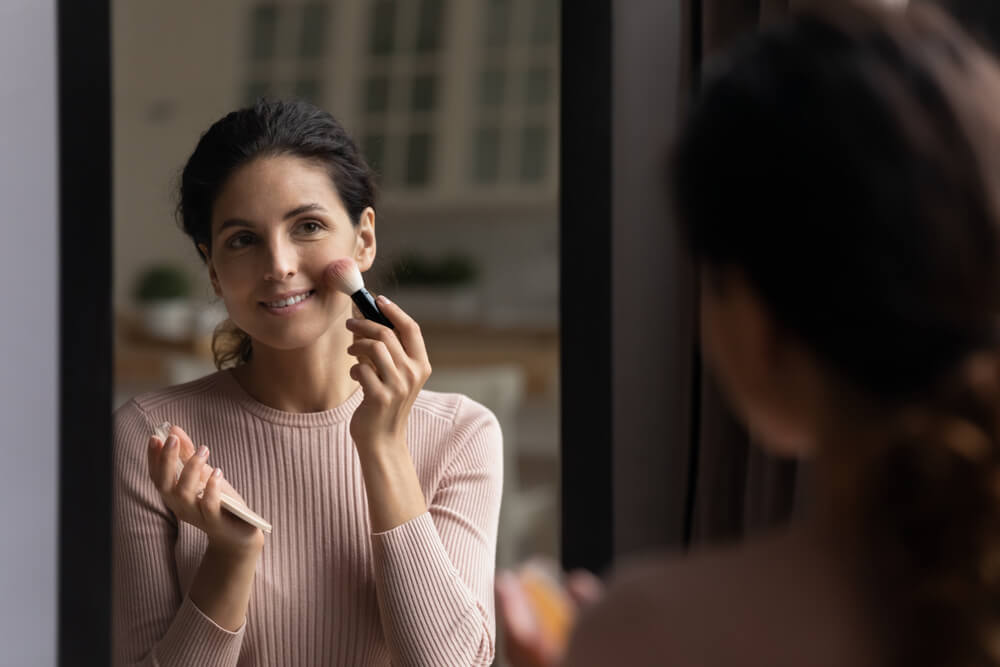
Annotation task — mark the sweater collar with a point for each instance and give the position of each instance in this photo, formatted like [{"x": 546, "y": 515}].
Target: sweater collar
[{"x": 340, "y": 414}]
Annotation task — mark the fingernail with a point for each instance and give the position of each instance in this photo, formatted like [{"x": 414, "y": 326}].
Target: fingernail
[
  {"x": 202, "y": 452},
  {"x": 217, "y": 473},
  {"x": 171, "y": 442},
  {"x": 505, "y": 579},
  {"x": 383, "y": 300}
]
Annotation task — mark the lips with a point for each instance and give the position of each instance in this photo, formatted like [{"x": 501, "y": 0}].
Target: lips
[{"x": 289, "y": 299}]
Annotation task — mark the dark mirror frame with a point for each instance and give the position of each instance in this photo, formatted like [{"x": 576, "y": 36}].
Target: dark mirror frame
[
  {"x": 585, "y": 325},
  {"x": 85, "y": 343}
]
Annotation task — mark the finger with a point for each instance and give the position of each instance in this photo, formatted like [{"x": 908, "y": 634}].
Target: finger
[
  {"x": 187, "y": 449},
  {"x": 525, "y": 641},
  {"x": 584, "y": 588},
  {"x": 153, "y": 448},
  {"x": 515, "y": 610},
  {"x": 366, "y": 329},
  {"x": 406, "y": 328},
  {"x": 375, "y": 352},
  {"x": 186, "y": 444},
  {"x": 210, "y": 503},
  {"x": 166, "y": 473},
  {"x": 371, "y": 385},
  {"x": 189, "y": 483}
]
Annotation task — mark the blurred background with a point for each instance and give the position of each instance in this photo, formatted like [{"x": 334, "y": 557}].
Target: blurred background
[{"x": 455, "y": 104}]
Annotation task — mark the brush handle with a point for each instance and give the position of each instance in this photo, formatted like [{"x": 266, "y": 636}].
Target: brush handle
[{"x": 366, "y": 304}]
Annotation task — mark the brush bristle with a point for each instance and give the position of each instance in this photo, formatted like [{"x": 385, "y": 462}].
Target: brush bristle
[{"x": 347, "y": 274}]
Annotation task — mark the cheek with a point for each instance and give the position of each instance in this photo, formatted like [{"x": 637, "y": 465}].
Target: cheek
[
  {"x": 228, "y": 276},
  {"x": 724, "y": 349},
  {"x": 235, "y": 279},
  {"x": 317, "y": 257}
]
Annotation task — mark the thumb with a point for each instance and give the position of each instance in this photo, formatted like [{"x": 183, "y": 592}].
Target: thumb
[
  {"x": 584, "y": 588},
  {"x": 515, "y": 610}
]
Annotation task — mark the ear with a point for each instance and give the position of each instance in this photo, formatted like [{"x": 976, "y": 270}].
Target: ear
[
  {"x": 741, "y": 338},
  {"x": 364, "y": 247},
  {"x": 767, "y": 342},
  {"x": 213, "y": 276}
]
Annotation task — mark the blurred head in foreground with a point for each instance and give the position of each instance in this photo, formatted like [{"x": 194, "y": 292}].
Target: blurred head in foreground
[
  {"x": 838, "y": 180},
  {"x": 981, "y": 18}
]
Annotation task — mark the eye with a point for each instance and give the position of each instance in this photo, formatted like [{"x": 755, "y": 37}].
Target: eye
[
  {"x": 311, "y": 227},
  {"x": 238, "y": 241}
]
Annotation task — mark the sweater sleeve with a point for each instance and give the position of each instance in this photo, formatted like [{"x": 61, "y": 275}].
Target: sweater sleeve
[
  {"x": 434, "y": 574},
  {"x": 153, "y": 622}
]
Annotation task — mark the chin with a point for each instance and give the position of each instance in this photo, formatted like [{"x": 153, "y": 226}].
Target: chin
[{"x": 287, "y": 338}]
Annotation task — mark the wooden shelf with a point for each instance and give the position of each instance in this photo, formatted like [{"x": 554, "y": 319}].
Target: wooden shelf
[{"x": 141, "y": 359}]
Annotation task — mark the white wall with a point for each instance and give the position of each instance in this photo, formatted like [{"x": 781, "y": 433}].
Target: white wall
[
  {"x": 28, "y": 336},
  {"x": 165, "y": 96}
]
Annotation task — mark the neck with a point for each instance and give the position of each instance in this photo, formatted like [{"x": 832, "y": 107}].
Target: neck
[
  {"x": 851, "y": 444},
  {"x": 307, "y": 379}
]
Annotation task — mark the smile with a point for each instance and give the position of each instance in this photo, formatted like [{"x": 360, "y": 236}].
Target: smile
[{"x": 290, "y": 301}]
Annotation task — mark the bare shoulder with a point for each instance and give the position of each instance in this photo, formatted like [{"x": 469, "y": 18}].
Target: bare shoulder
[{"x": 764, "y": 603}]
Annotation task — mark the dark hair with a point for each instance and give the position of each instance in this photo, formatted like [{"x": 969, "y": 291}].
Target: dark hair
[
  {"x": 844, "y": 162},
  {"x": 981, "y": 18},
  {"x": 269, "y": 128}
]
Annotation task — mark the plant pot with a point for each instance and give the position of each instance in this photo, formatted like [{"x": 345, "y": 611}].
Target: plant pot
[
  {"x": 168, "y": 319},
  {"x": 439, "y": 304}
]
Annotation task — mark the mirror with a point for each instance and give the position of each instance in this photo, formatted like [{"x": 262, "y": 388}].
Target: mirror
[{"x": 455, "y": 106}]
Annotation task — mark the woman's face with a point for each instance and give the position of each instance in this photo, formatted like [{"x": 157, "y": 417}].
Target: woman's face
[{"x": 276, "y": 225}]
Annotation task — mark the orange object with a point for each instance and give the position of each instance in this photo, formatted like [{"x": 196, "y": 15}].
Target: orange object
[{"x": 553, "y": 608}]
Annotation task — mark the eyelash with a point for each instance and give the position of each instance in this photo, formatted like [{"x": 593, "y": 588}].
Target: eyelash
[{"x": 231, "y": 242}]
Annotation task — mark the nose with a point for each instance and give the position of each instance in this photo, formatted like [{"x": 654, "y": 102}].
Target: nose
[{"x": 281, "y": 261}]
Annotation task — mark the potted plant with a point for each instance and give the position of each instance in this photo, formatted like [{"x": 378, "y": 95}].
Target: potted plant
[
  {"x": 163, "y": 293},
  {"x": 441, "y": 289}
]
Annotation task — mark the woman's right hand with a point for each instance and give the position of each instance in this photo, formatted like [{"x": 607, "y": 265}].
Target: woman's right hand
[
  {"x": 530, "y": 641},
  {"x": 183, "y": 495}
]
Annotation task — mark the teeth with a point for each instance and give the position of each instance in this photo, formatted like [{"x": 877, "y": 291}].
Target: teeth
[{"x": 289, "y": 302}]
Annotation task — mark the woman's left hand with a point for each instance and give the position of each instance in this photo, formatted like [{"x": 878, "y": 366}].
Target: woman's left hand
[{"x": 392, "y": 368}]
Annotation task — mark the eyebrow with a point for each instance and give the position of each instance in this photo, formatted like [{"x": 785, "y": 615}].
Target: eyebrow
[{"x": 298, "y": 210}]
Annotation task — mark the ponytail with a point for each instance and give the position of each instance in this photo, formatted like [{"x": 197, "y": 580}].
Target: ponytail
[
  {"x": 930, "y": 516},
  {"x": 231, "y": 346}
]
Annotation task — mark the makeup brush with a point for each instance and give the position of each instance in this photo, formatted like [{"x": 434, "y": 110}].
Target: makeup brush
[
  {"x": 235, "y": 507},
  {"x": 349, "y": 281}
]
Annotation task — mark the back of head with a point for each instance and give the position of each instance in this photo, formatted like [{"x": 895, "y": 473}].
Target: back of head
[
  {"x": 846, "y": 164},
  {"x": 980, "y": 18}
]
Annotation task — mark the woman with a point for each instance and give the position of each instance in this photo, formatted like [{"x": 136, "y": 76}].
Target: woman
[
  {"x": 838, "y": 182},
  {"x": 384, "y": 498}
]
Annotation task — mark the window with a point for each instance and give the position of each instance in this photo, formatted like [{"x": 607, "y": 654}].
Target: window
[
  {"x": 400, "y": 92},
  {"x": 287, "y": 50},
  {"x": 448, "y": 99},
  {"x": 513, "y": 137}
]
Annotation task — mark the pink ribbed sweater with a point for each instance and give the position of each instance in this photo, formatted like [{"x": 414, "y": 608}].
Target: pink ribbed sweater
[{"x": 327, "y": 590}]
